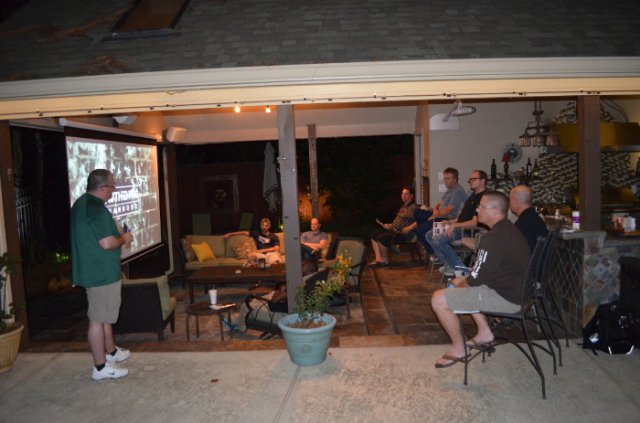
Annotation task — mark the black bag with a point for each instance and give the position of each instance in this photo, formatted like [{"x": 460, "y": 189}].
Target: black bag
[{"x": 614, "y": 329}]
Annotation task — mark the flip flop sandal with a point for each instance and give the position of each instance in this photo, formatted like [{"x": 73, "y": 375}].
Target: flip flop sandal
[{"x": 452, "y": 359}]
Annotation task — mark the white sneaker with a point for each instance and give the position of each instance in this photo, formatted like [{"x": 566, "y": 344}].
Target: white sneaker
[
  {"x": 108, "y": 372},
  {"x": 120, "y": 355}
]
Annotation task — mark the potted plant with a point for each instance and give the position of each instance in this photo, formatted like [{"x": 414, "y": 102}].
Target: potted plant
[
  {"x": 307, "y": 332},
  {"x": 10, "y": 331}
]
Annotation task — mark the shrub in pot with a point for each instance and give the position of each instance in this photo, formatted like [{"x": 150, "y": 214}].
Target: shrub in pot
[{"x": 307, "y": 332}]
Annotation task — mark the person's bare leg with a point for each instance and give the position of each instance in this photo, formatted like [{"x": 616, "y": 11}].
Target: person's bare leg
[
  {"x": 451, "y": 325},
  {"x": 376, "y": 250},
  {"x": 109, "y": 342},
  {"x": 384, "y": 254},
  {"x": 96, "y": 337},
  {"x": 484, "y": 335}
]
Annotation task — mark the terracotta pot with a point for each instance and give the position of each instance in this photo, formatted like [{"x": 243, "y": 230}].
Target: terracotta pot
[{"x": 9, "y": 345}]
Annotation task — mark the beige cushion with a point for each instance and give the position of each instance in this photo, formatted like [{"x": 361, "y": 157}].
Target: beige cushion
[
  {"x": 281, "y": 239},
  {"x": 203, "y": 252},
  {"x": 189, "y": 255},
  {"x": 167, "y": 302},
  {"x": 325, "y": 249},
  {"x": 244, "y": 249}
]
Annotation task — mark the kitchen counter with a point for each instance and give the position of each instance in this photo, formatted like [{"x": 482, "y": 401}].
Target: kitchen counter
[{"x": 586, "y": 272}]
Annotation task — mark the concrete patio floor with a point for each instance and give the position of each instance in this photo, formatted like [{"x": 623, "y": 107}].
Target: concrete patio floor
[{"x": 379, "y": 384}]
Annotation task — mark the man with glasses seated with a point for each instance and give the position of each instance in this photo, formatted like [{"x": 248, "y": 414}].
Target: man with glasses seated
[
  {"x": 468, "y": 218},
  {"x": 494, "y": 284},
  {"x": 447, "y": 208}
]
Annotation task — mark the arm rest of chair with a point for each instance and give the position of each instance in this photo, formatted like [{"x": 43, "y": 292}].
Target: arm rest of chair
[{"x": 162, "y": 282}]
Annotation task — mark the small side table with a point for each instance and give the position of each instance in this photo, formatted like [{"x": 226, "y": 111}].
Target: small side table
[{"x": 203, "y": 309}]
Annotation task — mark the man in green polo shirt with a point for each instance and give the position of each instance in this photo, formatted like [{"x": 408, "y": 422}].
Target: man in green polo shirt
[{"x": 95, "y": 252}]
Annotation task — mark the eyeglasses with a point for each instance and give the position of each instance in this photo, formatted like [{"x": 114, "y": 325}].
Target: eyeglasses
[
  {"x": 473, "y": 179},
  {"x": 109, "y": 186}
]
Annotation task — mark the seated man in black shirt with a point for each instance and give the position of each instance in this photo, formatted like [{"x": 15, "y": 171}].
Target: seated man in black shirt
[
  {"x": 529, "y": 222},
  {"x": 494, "y": 284}
]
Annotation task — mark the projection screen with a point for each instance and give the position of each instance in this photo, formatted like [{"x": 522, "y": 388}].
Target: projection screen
[{"x": 134, "y": 163}]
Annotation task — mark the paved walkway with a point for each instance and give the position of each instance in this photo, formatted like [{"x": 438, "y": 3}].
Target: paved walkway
[{"x": 382, "y": 384}]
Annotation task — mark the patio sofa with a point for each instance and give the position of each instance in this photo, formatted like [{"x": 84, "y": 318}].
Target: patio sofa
[{"x": 227, "y": 252}]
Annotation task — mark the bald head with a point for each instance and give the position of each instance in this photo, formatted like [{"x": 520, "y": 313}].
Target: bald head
[{"x": 519, "y": 199}]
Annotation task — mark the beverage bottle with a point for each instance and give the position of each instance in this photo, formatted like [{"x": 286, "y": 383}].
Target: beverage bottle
[
  {"x": 494, "y": 169},
  {"x": 528, "y": 168},
  {"x": 506, "y": 170},
  {"x": 536, "y": 170},
  {"x": 638, "y": 167},
  {"x": 449, "y": 276}
]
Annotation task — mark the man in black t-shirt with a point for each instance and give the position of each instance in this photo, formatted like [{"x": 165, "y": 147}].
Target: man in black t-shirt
[
  {"x": 467, "y": 218},
  {"x": 494, "y": 284},
  {"x": 529, "y": 222},
  {"x": 267, "y": 243}
]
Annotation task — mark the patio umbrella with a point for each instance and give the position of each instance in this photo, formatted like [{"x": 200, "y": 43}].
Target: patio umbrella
[{"x": 270, "y": 183}]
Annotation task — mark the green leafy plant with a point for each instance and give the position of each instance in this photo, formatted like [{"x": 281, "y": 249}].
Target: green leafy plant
[
  {"x": 311, "y": 305},
  {"x": 7, "y": 267}
]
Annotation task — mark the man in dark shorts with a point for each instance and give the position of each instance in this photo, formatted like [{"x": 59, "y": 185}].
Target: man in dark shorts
[
  {"x": 494, "y": 284},
  {"x": 95, "y": 251},
  {"x": 395, "y": 231}
]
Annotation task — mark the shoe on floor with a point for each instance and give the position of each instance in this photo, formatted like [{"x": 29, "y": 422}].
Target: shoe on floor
[
  {"x": 120, "y": 355},
  {"x": 231, "y": 327},
  {"x": 108, "y": 372}
]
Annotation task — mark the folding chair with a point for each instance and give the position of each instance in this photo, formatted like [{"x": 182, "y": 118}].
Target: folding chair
[{"x": 527, "y": 313}]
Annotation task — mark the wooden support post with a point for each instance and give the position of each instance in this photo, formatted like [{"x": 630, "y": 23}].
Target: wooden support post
[
  {"x": 589, "y": 172},
  {"x": 289, "y": 184},
  {"x": 9, "y": 221},
  {"x": 313, "y": 171}
]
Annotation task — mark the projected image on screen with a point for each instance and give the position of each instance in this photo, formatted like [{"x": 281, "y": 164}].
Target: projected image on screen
[{"x": 135, "y": 201}]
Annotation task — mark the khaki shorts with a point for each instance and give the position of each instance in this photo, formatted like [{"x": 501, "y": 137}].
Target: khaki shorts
[
  {"x": 104, "y": 302},
  {"x": 475, "y": 299}
]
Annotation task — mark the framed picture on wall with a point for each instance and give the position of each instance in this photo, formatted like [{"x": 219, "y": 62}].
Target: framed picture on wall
[{"x": 219, "y": 193}]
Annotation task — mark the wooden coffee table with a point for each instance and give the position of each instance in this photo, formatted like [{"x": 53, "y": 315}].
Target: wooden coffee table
[
  {"x": 204, "y": 309},
  {"x": 221, "y": 275}
]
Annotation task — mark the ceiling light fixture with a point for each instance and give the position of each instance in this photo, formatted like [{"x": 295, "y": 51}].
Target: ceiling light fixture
[
  {"x": 459, "y": 110},
  {"x": 536, "y": 134},
  {"x": 236, "y": 109},
  {"x": 267, "y": 109}
]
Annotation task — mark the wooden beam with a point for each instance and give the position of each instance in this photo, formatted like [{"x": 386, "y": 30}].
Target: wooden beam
[
  {"x": 589, "y": 172},
  {"x": 11, "y": 224},
  {"x": 313, "y": 171},
  {"x": 289, "y": 184}
]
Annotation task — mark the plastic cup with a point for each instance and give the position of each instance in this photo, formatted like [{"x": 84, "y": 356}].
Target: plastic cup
[{"x": 213, "y": 296}]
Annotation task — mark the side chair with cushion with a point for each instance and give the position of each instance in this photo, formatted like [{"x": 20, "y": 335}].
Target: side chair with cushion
[
  {"x": 259, "y": 315},
  {"x": 411, "y": 244},
  {"x": 527, "y": 313},
  {"x": 147, "y": 306}
]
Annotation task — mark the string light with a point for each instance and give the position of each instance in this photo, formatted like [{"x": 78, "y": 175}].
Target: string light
[
  {"x": 236, "y": 109},
  {"x": 267, "y": 109}
]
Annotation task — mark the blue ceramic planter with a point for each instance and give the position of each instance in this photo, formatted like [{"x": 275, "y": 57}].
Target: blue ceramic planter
[{"x": 307, "y": 347}]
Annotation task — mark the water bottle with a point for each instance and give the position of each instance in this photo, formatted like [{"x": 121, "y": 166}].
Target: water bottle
[{"x": 449, "y": 276}]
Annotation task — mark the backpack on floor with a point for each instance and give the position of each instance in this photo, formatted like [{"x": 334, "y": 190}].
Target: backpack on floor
[{"x": 614, "y": 329}]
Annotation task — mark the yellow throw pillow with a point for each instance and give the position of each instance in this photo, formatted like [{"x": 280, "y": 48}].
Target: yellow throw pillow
[{"x": 203, "y": 251}]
